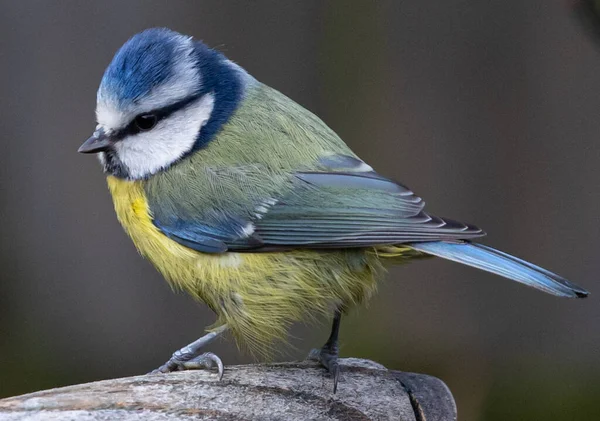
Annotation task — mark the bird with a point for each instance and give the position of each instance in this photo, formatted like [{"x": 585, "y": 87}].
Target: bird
[{"x": 250, "y": 203}]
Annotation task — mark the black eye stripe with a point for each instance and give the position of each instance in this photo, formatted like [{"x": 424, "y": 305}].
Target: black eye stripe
[{"x": 160, "y": 113}]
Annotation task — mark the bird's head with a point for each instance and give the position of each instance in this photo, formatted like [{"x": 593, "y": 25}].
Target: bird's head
[{"x": 163, "y": 96}]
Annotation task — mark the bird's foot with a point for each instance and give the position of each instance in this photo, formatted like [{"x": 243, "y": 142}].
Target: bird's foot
[
  {"x": 191, "y": 358},
  {"x": 328, "y": 357},
  {"x": 181, "y": 361}
]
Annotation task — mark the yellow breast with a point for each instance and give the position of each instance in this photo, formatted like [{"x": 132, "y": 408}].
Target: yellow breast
[
  {"x": 258, "y": 295},
  {"x": 183, "y": 267}
]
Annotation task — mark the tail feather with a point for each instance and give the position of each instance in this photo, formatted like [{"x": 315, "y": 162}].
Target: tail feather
[{"x": 497, "y": 262}]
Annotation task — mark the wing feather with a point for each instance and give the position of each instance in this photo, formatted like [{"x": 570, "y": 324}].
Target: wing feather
[
  {"x": 317, "y": 210},
  {"x": 353, "y": 210}
]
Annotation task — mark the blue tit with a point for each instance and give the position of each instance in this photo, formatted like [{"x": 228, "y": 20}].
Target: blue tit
[{"x": 251, "y": 204}]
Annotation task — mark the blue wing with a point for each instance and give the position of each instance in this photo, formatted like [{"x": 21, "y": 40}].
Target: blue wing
[
  {"x": 229, "y": 233},
  {"x": 316, "y": 210}
]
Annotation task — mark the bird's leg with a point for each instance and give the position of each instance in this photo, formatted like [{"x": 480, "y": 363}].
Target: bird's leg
[
  {"x": 328, "y": 354},
  {"x": 191, "y": 358}
]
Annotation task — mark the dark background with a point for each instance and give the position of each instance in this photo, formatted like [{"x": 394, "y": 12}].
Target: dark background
[{"x": 488, "y": 109}]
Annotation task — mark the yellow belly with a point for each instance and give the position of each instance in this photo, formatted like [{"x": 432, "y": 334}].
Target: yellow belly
[{"x": 257, "y": 294}]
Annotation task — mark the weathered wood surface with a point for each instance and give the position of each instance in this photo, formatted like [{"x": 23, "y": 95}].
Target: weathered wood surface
[{"x": 287, "y": 391}]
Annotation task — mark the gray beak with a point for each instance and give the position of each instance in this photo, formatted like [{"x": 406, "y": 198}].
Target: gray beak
[{"x": 98, "y": 142}]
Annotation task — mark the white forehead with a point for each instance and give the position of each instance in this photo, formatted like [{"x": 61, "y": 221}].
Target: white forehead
[{"x": 184, "y": 81}]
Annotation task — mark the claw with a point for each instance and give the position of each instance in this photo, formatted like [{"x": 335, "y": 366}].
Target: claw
[
  {"x": 206, "y": 360},
  {"x": 329, "y": 360},
  {"x": 189, "y": 357},
  {"x": 335, "y": 372}
]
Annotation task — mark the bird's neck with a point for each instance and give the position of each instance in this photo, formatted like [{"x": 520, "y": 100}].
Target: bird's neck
[{"x": 226, "y": 81}]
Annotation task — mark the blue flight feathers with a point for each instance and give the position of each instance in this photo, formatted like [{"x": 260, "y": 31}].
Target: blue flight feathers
[
  {"x": 503, "y": 264},
  {"x": 201, "y": 236}
]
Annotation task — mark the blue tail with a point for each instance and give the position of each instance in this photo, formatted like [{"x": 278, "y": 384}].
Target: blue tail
[{"x": 494, "y": 261}]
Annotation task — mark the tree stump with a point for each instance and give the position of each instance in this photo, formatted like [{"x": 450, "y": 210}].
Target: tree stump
[{"x": 285, "y": 391}]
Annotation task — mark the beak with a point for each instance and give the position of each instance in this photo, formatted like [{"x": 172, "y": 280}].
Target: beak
[{"x": 98, "y": 142}]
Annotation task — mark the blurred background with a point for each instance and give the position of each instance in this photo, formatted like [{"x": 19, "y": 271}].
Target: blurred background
[{"x": 488, "y": 109}]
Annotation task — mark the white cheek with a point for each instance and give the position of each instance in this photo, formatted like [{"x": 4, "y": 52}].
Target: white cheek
[{"x": 148, "y": 152}]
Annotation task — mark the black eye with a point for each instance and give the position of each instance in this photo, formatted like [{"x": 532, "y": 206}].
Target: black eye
[{"x": 145, "y": 122}]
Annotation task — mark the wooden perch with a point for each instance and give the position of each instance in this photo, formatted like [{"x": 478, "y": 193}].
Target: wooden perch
[{"x": 287, "y": 391}]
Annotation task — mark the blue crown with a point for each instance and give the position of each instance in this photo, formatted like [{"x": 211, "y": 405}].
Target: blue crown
[{"x": 143, "y": 62}]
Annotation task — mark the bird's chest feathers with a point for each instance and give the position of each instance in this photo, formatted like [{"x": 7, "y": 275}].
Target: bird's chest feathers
[
  {"x": 256, "y": 294},
  {"x": 183, "y": 267}
]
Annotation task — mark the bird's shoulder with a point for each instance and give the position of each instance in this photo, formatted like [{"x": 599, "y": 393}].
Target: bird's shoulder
[{"x": 272, "y": 130}]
